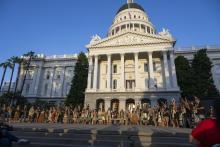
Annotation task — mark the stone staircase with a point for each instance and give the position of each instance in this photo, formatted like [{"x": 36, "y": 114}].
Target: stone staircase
[{"x": 89, "y": 137}]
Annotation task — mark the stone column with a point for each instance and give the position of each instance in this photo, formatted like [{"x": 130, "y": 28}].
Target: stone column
[
  {"x": 122, "y": 72},
  {"x": 95, "y": 75},
  {"x": 62, "y": 81},
  {"x": 34, "y": 80},
  {"x": 173, "y": 70},
  {"x": 151, "y": 71},
  {"x": 109, "y": 72},
  {"x": 166, "y": 70},
  {"x": 51, "y": 81},
  {"x": 145, "y": 29},
  {"x": 38, "y": 80},
  {"x": 137, "y": 85},
  {"x": 89, "y": 83}
]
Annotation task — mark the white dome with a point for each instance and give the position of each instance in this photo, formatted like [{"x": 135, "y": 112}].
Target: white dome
[{"x": 131, "y": 17}]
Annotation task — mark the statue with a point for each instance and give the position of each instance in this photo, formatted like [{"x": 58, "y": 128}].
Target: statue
[
  {"x": 130, "y": 1},
  {"x": 165, "y": 33},
  {"x": 95, "y": 38}
]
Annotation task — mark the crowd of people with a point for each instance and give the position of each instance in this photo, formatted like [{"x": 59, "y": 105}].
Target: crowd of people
[{"x": 186, "y": 113}]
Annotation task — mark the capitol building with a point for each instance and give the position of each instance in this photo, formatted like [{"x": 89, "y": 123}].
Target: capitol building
[{"x": 134, "y": 64}]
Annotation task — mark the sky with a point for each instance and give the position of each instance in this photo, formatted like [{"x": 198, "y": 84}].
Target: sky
[{"x": 66, "y": 26}]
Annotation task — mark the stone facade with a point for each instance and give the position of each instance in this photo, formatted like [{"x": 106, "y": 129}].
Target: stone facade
[
  {"x": 49, "y": 78},
  {"x": 132, "y": 65},
  {"x": 213, "y": 53}
]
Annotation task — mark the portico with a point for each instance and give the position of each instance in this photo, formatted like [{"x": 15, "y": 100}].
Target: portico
[{"x": 111, "y": 70}]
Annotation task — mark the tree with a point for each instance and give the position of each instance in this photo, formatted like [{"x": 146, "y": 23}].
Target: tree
[
  {"x": 30, "y": 55},
  {"x": 13, "y": 61},
  {"x": 201, "y": 67},
  {"x": 6, "y": 99},
  {"x": 5, "y": 66},
  {"x": 19, "y": 61},
  {"x": 79, "y": 82},
  {"x": 184, "y": 76}
]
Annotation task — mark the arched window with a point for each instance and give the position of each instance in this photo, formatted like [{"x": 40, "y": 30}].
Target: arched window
[
  {"x": 112, "y": 32},
  {"x": 134, "y": 16},
  {"x": 100, "y": 104},
  {"x": 115, "y": 105},
  {"x": 130, "y": 104},
  {"x": 114, "y": 84},
  {"x": 148, "y": 29},
  {"x": 152, "y": 31},
  {"x": 124, "y": 17}
]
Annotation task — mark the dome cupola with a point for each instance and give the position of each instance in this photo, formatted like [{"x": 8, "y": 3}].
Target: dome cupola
[{"x": 131, "y": 17}]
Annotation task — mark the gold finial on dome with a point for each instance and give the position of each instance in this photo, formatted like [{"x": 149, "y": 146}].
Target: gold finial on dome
[{"x": 130, "y": 1}]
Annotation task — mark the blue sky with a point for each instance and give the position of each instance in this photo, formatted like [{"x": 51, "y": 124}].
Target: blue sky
[{"x": 66, "y": 26}]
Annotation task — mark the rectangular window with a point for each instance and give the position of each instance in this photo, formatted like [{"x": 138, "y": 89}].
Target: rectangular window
[
  {"x": 47, "y": 75},
  {"x": 145, "y": 67},
  {"x": 58, "y": 74},
  {"x": 68, "y": 86},
  {"x": 115, "y": 84},
  {"x": 155, "y": 83},
  {"x": 114, "y": 68},
  {"x": 154, "y": 66},
  {"x": 30, "y": 74},
  {"x": 27, "y": 88}
]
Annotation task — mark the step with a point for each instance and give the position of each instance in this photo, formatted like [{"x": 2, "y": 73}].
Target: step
[
  {"x": 97, "y": 133},
  {"x": 115, "y": 145}
]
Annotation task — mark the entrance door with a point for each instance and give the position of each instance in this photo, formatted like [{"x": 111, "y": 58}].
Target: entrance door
[
  {"x": 115, "y": 105},
  {"x": 130, "y": 105}
]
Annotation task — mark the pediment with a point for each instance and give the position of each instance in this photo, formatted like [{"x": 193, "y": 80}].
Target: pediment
[{"x": 130, "y": 38}]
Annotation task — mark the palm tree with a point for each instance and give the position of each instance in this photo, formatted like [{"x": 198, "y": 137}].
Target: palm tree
[
  {"x": 30, "y": 55},
  {"x": 5, "y": 66},
  {"x": 13, "y": 61},
  {"x": 19, "y": 61}
]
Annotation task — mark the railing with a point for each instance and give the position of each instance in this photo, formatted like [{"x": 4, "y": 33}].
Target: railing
[
  {"x": 195, "y": 48},
  {"x": 61, "y": 56}
]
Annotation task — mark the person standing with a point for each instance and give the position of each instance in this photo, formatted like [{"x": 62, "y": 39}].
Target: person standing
[{"x": 207, "y": 132}]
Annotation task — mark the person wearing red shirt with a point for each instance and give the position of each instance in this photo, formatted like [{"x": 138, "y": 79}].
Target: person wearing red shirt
[{"x": 207, "y": 132}]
